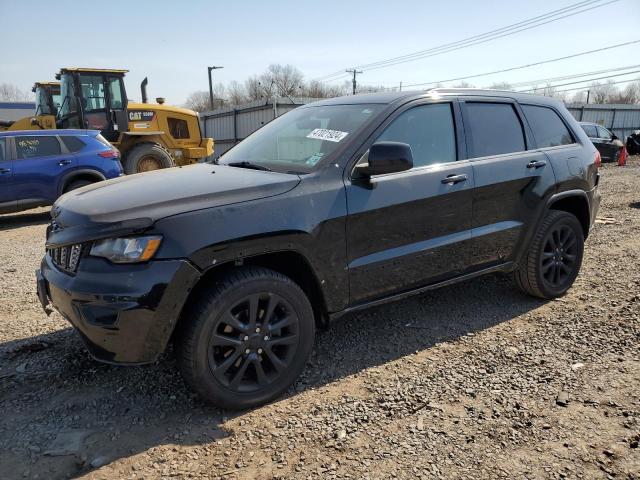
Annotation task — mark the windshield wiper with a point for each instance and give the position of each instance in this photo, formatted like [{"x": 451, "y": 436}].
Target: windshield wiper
[{"x": 253, "y": 166}]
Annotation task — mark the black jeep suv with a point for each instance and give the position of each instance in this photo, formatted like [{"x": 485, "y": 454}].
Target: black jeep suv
[{"x": 330, "y": 208}]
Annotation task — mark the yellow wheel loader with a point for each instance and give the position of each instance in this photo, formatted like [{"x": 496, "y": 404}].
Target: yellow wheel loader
[
  {"x": 149, "y": 135},
  {"x": 47, "y": 103}
]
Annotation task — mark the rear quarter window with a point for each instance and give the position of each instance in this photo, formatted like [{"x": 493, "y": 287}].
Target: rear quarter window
[
  {"x": 494, "y": 129},
  {"x": 2, "y": 155},
  {"x": 73, "y": 144},
  {"x": 548, "y": 128}
]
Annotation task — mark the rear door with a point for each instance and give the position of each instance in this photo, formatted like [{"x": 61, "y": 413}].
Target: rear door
[
  {"x": 510, "y": 178},
  {"x": 40, "y": 162},
  {"x": 8, "y": 201},
  {"x": 411, "y": 228}
]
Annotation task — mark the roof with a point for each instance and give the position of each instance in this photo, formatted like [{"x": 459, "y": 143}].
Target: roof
[
  {"x": 47, "y": 84},
  {"x": 48, "y": 133},
  {"x": 401, "y": 97},
  {"x": 99, "y": 70}
]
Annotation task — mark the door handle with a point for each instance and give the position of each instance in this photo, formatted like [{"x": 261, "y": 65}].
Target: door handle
[
  {"x": 64, "y": 162},
  {"x": 5, "y": 170},
  {"x": 536, "y": 164},
  {"x": 453, "y": 179}
]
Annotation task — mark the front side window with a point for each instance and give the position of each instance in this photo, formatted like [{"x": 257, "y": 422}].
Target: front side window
[
  {"x": 429, "y": 130},
  {"x": 35, "y": 146},
  {"x": 299, "y": 140},
  {"x": 548, "y": 129},
  {"x": 68, "y": 100},
  {"x": 604, "y": 133},
  {"x": 494, "y": 129},
  {"x": 590, "y": 130},
  {"x": 92, "y": 92}
]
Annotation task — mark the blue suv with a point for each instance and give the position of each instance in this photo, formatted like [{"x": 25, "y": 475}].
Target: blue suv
[{"x": 36, "y": 167}]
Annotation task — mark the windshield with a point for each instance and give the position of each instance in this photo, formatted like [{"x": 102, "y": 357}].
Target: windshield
[
  {"x": 297, "y": 141},
  {"x": 47, "y": 97},
  {"x": 68, "y": 103}
]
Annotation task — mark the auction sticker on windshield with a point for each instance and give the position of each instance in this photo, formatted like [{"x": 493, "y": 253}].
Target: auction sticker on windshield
[{"x": 329, "y": 135}]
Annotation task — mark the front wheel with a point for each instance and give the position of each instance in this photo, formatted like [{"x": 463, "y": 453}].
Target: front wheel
[
  {"x": 554, "y": 258},
  {"x": 246, "y": 340},
  {"x": 146, "y": 157}
]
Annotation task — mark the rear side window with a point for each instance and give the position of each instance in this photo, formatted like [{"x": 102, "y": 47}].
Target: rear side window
[
  {"x": 494, "y": 129},
  {"x": 178, "y": 128},
  {"x": 590, "y": 130},
  {"x": 73, "y": 144},
  {"x": 548, "y": 128},
  {"x": 429, "y": 130},
  {"x": 2, "y": 156},
  {"x": 34, "y": 146}
]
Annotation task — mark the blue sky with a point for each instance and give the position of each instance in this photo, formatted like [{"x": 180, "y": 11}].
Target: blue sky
[{"x": 172, "y": 42}]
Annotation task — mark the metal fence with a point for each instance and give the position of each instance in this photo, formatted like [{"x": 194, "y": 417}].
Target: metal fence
[
  {"x": 619, "y": 118},
  {"x": 227, "y": 126}
]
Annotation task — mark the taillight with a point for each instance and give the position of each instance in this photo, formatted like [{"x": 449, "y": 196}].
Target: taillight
[
  {"x": 110, "y": 154},
  {"x": 597, "y": 160}
]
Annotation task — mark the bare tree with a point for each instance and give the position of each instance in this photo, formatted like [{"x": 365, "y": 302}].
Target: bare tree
[
  {"x": 236, "y": 93},
  {"x": 500, "y": 86},
  {"x": 286, "y": 79},
  {"x": 464, "y": 84},
  {"x": 253, "y": 88},
  {"x": 601, "y": 92},
  {"x": 630, "y": 94},
  {"x": 199, "y": 100},
  {"x": 11, "y": 93}
]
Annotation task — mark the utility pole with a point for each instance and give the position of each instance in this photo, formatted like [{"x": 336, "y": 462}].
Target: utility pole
[
  {"x": 211, "y": 86},
  {"x": 400, "y": 86},
  {"x": 355, "y": 72},
  {"x": 588, "y": 95}
]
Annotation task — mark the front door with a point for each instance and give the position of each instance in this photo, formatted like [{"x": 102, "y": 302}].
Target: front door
[
  {"x": 408, "y": 229},
  {"x": 7, "y": 193},
  {"x": 605, "y": 144},
  {"x": 510, "y": 179}
]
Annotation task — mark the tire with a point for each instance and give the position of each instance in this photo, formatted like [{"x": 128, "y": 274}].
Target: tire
[
  {"x": 77, "y": 184},
  {"x": 554, "y": 258},
  {"x": 146, "y": 157},
  {"x": 218, "y": 330}
]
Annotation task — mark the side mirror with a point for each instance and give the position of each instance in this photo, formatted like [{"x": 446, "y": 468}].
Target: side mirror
[
  {"x": 614, "y": 136},
  {"x": 386, "y": 157}
]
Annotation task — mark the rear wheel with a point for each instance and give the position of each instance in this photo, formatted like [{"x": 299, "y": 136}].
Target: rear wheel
[
  {"x": 246, "y": 341},
  {"x": 147, "y": 157},
  {"x": 76, "y": 184},
  {"x": 553, "y": 261}
]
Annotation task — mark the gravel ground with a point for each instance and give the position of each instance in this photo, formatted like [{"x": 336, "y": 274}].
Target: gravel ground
[{"x": 499, "y": 386}]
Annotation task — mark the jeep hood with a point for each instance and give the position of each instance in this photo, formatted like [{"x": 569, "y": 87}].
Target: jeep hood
[{"x": 132, "y": 203}]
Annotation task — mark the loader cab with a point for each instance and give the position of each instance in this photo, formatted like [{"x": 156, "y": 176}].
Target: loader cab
[
  {"x": 47, "y": 97},
  {"x": 93, "y": 99}
]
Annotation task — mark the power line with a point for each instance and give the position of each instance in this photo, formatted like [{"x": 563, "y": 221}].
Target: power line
[
  {"x": 580, "y": 81},
  {"x": 527, "y": 65},
  {"x": 587, "y": 87},
  {"x": 571, "y": 77},
  {"x": 512, "y": 29}
]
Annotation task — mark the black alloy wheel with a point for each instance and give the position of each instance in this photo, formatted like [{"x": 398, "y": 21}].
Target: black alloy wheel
[
  {"x": 254, "y": 342},
  {"x": 559, "y": 255},
  {"x": 245, "y": 337}
]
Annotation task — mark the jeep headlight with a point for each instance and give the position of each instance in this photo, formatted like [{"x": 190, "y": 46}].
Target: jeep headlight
[{"x": 127, "y": 249}]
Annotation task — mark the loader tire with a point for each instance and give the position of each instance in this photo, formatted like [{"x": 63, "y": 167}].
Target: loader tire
[{"x": 147, "y": 157}]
